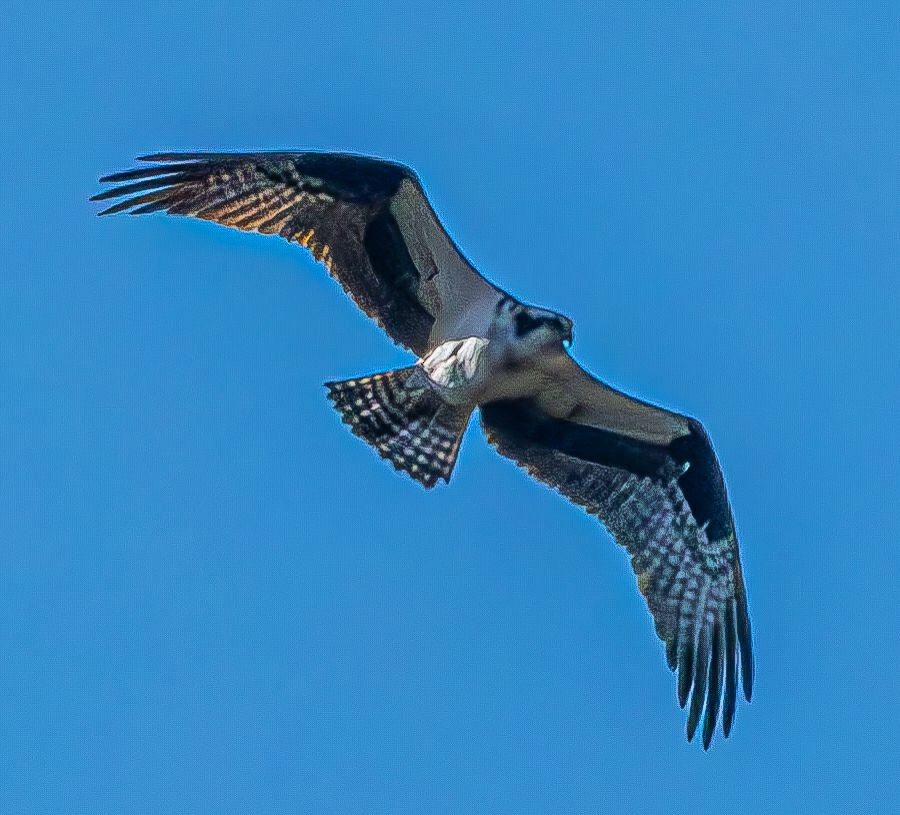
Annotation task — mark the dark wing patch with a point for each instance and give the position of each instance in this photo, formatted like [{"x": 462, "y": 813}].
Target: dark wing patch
[
  {"x": 682, "y": 542},
  {"x": 702, "y": 484},
  {"x": 335, "y": 205}
]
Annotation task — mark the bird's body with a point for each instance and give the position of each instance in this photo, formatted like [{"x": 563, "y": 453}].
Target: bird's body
[{"x": 649, "y": 474}]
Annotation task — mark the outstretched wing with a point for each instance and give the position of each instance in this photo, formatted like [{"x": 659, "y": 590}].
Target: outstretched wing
[
  {"x": 366, "y": 219},
  {"x": 653, "y": 479}
]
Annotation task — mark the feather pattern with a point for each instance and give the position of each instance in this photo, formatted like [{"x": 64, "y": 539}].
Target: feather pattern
[
  {"x": 367, "y": 220},
  {"x": 692, "y": 582},
  {"x": 402, "y": 415}
]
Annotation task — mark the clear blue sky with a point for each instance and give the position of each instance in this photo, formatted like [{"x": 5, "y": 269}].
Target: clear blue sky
[{"x": 215, "y": 599}]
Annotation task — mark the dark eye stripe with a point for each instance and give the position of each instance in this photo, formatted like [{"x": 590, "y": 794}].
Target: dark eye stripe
[{"x": 525, "y": 323}]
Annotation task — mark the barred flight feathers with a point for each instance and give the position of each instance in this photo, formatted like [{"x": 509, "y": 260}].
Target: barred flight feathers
[
  {"x": 683, "y": 550},
  {"x": 402, "y": 415},
  {"x": 367, "y": 220}
]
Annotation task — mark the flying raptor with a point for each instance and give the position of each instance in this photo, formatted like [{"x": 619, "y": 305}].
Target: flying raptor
[{"x": 650, "y": 475}]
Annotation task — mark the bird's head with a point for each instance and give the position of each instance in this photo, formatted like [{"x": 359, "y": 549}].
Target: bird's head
[{"x": 527, "y": 330}]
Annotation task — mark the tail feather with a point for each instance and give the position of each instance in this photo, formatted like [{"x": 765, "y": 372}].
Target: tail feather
[{"x": 402, "y": 415}]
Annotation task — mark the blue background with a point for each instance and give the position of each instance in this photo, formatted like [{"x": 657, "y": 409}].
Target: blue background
[{"x": 215, "y": 599}]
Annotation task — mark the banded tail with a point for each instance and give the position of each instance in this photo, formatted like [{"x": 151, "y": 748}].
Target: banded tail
[{"x": 402, "y": 415}]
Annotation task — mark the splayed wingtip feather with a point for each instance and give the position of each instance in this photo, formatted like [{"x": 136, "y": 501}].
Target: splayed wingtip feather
[
  {"x": 701, "y": 668},
  {"x": 714, "y": 691},
  {"x": 730, "y": 701}
]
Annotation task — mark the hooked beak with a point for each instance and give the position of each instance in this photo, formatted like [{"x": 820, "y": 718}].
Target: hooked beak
[{"x": 568, "y": 336}]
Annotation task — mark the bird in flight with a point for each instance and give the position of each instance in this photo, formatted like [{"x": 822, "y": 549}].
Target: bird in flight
[{"x": 649, "y": 474}]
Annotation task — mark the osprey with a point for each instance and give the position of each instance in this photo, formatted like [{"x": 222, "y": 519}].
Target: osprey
[{"x": 650, "y": 475}]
